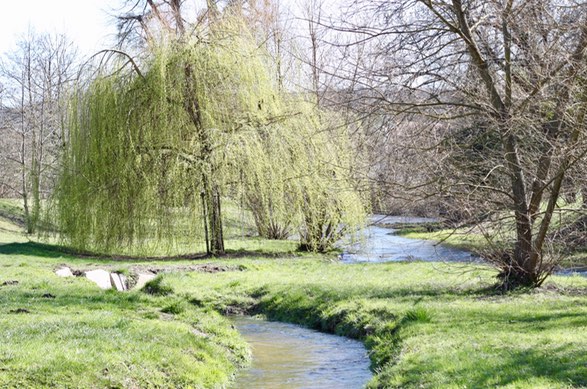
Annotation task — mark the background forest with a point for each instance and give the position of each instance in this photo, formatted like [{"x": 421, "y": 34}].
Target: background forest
[{"x": 307, "y": 117}]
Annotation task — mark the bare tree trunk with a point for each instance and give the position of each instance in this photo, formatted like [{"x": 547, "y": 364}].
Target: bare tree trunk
[
  {"x": 25, "y": 193},
  {"x": 24, "y": 170},
  {"x": 314, "y": 11}
]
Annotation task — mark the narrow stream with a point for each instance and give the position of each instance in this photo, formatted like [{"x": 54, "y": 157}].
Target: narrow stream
[
  {"x": 290, "y": 356},
  {"x": 381, "y": 244}
]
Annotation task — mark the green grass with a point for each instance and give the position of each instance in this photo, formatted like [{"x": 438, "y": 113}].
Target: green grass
[
  {"x": 475, "y": 242},
  {"x": 460, "y": 239},
  {"x": 11, "y": 221},
  {"x": 11, "y": 208},
  {"x": 426, "y": 324},
  {"x": 68, "y": 333}
]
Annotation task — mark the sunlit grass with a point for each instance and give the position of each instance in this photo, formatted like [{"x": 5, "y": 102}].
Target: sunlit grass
[
  {"x": 68, "y": 333},
  {"x": 428, "y": 325}
]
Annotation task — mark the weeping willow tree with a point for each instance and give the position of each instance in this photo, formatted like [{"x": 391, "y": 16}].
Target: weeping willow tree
[
  {"x": 146, "y": 147},
  {"x": 296, "y": 176},
  {"x": 264, "y": 161},
  {"x": 330, "y": 204},
  {"x": 152, "y": 153}
]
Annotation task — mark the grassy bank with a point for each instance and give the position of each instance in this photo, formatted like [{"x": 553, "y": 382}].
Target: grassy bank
[
  {"x": 459, "y": 239},
  {"x": 426, "y": 324},
  {"x": 60, "y": 332},
  {"x": 467, "y": 240}
]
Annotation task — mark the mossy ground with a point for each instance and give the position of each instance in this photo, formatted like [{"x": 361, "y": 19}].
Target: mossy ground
[{"x": 426, "y": 324}]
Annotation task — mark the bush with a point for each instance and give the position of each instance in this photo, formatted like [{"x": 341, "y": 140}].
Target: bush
[{"x": 156, "y": 287}]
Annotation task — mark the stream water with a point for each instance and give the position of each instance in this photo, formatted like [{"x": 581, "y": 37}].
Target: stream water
[
  {"x": 381, "y": 244},
  {"x": 289, "y": 356}
]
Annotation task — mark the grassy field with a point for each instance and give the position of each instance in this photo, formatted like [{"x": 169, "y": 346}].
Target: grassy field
[
  {"x": 426, "y": 324},
  {"x": 66, "y": 332}
]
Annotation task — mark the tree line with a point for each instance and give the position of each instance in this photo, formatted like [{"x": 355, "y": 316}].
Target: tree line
[{"x": 472, "y": 110}]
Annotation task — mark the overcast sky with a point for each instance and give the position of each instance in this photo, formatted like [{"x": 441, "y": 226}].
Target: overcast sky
[{"x": 86, "y": 22}]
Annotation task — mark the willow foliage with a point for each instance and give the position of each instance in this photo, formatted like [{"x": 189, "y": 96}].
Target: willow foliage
[
  {"x": 296, "y": 176},
  {"x": 139, "y": 160}
]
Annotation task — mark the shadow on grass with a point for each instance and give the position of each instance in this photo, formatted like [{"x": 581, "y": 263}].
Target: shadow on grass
[
  {"x": 564, "y": 365},
  {"x": 55, "y": 251},
  {"x": 35, "y": 249}
]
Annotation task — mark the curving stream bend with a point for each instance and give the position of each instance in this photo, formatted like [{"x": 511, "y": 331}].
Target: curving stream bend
[
  {"x": 381, "y": 244},
  {"x": 289, "y": 356}
]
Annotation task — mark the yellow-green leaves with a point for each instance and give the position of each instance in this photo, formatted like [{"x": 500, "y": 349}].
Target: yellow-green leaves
[{"x": 205, "y": 115}]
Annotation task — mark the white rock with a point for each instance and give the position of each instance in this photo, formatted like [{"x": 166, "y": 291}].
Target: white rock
[
  {"x": 118, "y": 282},
  {"x": 64, "y": 272},
  {"x": 142, "y": 279},
  {"x": 100, "y": 277},
  {"x": 124, "y": 281}
]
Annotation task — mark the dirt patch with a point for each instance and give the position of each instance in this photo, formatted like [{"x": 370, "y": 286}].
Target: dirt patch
[
  {"x": 132, "y": 276},
  {"x": 19, "y": 310},
  {"x": 233, "y": 310},
  {"x": 137, "y": 269},
  {"x": 201, "y": 268}
]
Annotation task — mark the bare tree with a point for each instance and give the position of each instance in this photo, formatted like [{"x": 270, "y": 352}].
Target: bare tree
[
  {"x": 37, "y": 75},
  {"x": 512, "y": 72}
]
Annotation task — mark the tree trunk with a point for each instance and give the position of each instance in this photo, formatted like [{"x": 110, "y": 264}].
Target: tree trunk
[
  {"x": 22, "y": 161},
  {"x": 216, "y": 238},
  {"x": 210, "y": 190}
]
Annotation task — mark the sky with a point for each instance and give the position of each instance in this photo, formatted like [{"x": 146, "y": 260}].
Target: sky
[{"x": 86, "y": 22}]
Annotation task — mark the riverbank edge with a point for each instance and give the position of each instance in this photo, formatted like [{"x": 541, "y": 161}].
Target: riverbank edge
[
  {"x": 387, "y": 329},
  {"x": 381, "y": 337},
  {"x": 382, "y": 346},
  {"x": 475, "y": 243}
]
